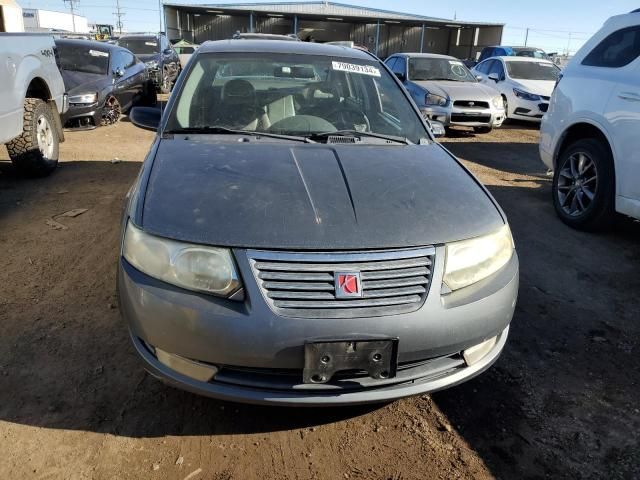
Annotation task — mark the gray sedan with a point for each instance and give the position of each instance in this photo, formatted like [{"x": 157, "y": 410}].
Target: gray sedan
[
  {"x": 447, "y": 92},
  {"x": 297, "y": 237}
]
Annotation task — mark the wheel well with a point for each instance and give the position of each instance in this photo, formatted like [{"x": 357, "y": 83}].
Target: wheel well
[
  {"x": 580, "y": 131},
  {"x": 38, "y": 89}
]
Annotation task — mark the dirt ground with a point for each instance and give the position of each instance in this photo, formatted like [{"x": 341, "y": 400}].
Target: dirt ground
[{"x": 75, "y": 403}]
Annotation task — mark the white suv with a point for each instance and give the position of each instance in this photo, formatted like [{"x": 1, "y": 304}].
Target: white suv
[{"x": 590, "y": 136}]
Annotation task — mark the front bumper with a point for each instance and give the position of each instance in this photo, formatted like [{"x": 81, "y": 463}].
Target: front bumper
[
  {"x": 82, "y": 116},
  {"x": 260, "y": 355},
  {"x": 528, "y": 110},
  {"x": 465, "y": 117}
]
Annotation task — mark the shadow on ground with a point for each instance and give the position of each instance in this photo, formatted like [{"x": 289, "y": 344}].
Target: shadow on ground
[{"x": 560, "y": 401}]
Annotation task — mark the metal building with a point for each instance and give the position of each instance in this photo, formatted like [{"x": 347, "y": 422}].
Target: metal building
[{"x": 381, "y": 31}]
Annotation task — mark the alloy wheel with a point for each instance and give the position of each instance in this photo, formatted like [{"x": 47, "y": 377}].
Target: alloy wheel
[
  {"x": 577, "y": 184},
  {"x": 111, "y": 111}
]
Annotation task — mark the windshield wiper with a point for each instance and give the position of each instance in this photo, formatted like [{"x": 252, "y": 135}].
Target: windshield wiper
[
  {"x": 232, "y": 131},
  {"x": 357, "y": 133}
]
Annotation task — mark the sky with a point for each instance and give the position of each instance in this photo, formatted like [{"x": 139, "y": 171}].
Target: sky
[{"x": 555, "y": 25}]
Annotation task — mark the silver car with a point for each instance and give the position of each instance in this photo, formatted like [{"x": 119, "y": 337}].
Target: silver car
[
  {"x": 297, "y": 237},
  {"x": 447, "y": 92}
]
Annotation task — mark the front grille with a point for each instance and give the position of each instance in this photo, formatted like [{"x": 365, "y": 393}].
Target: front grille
[
  {"x": 302, "y": 284},
  {"x": 470, "y": 104},
  {"x": 462, "y": 118}
]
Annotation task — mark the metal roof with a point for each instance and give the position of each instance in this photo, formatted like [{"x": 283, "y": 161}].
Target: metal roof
[{"x": 325, "y": 9}]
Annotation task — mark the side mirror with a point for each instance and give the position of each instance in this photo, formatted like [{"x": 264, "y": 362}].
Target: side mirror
[
  {"x": 118, "y": 72},
  {"x": 494, "y": 77},
  {"x": 401, "y": 76},
  {"x": 479, "y": 78},
  {"x": 437, "y": 128},
  {"x": 145, "y": 117},
  {"x": 167, "y": 51}
]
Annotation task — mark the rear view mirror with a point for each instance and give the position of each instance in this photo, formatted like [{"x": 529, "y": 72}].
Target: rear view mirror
[
  {"x": 494, "y": 77},
  {"x": 401, "y": 76},
  {"x": 146, "y": 117},
  {"x": 167, "y": 51},
  {"x": 119, "y": 72},
  {"x": 479, "y": 78}
]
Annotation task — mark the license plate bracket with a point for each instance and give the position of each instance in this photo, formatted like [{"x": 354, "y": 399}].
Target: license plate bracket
[{"x": 379, "y": 358}]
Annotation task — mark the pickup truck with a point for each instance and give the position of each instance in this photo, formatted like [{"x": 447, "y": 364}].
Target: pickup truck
[{"x": 32, "y": 98}]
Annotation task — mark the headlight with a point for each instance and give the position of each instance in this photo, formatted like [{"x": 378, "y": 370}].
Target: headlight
[
  {"x": 88, "y": 98},
  {"x": 433, "y": 99},
  {"x": 470, "y": 261},
  {"x": 152, "y": 64},
  {"x": 498, "y": 102},
  {"x": 194, "y": 267},
  {"x": 526, "y": 95}
]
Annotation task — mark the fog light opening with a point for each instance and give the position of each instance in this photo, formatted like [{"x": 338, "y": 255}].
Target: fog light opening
[
  {"x": 478, "y": 352},
  {"x": 196, "y": 370}
]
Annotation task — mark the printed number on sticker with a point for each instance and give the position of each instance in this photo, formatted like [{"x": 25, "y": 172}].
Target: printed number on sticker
[{"x": 354, "y": 68}]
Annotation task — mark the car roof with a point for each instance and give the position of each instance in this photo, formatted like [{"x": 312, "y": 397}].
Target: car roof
[
  {"x": 520, "y": 59},
  {"x": 423, "y": 55},
  {"x": 283, "y": 46},
  {"x": 140, "y": 35},
  {"x": 88, "y": 44}
]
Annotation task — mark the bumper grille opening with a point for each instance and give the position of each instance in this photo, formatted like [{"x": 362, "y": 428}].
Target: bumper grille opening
[
  {"x": 470, "y": 104},
  {"x": 303, "y": 284},
  {"x": 463, "y": 118}
]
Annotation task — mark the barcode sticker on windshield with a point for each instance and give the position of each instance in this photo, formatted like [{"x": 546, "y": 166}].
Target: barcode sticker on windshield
[
  {"x": 98, "y": 53},
  {"x": 354, "y": 68},
  {"x": 455, "y": 62},
  {"x": 151, "y": 44}
]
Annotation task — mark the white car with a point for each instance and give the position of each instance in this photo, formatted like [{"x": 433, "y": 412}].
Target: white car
[
  {"x": 32, "y": 98},
  {"x": 525, "y": 83},
  {"x": 591, "y": 135}
]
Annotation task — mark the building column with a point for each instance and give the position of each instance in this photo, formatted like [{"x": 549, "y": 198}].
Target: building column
[
  {"x": 250, "y": 22},
  {"x": 377, "y": 36},
  {"x": 422, "y": 38},
  {"x": 295, "y": 25}
]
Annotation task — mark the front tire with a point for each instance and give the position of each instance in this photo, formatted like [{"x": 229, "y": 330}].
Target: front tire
[
  {"x": 35, "y": 152},
  {"x": 584, "y": 186}
]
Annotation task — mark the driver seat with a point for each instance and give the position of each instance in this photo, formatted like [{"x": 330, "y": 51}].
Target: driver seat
[{"x": 238, "y": 107}]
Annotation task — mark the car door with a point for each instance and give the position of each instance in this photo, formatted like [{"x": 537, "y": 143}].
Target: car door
[
  {"x": 119, "y": 89},
  {"x": 134, "y": 78},
  {"x": 619, "y": 56}
]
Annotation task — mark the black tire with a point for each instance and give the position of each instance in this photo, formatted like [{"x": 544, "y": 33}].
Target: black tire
[
  {"x": 600, "y": 212},
  {"x": 24, "y": 151},
  {"x": 149, "y": 96},
  {"x": 482, "y": 129},
  {"x": 506, "y": 108}
]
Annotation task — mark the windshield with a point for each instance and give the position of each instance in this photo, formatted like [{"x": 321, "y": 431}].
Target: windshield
[
  {"x": 439, "y": 69},
  {"x": 533, "y": 70},
  {"x": 77, "y": 58},
  {"x": 139, "y": 46},
  {"x": 297, "y": 95},
  {"x": 530, "y": 52}
]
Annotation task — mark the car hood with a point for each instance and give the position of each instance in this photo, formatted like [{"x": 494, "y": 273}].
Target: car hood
[
  {"x": 459, "y": 90},
  {"x": 80, "y": 82},
  {"x": 148, "y": 57},
  {"x": 275, "y": 195},
  {"x": 537, "y": 87}
]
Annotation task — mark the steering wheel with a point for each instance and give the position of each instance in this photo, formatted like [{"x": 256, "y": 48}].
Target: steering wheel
[{"x": 346, "y": 117}]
